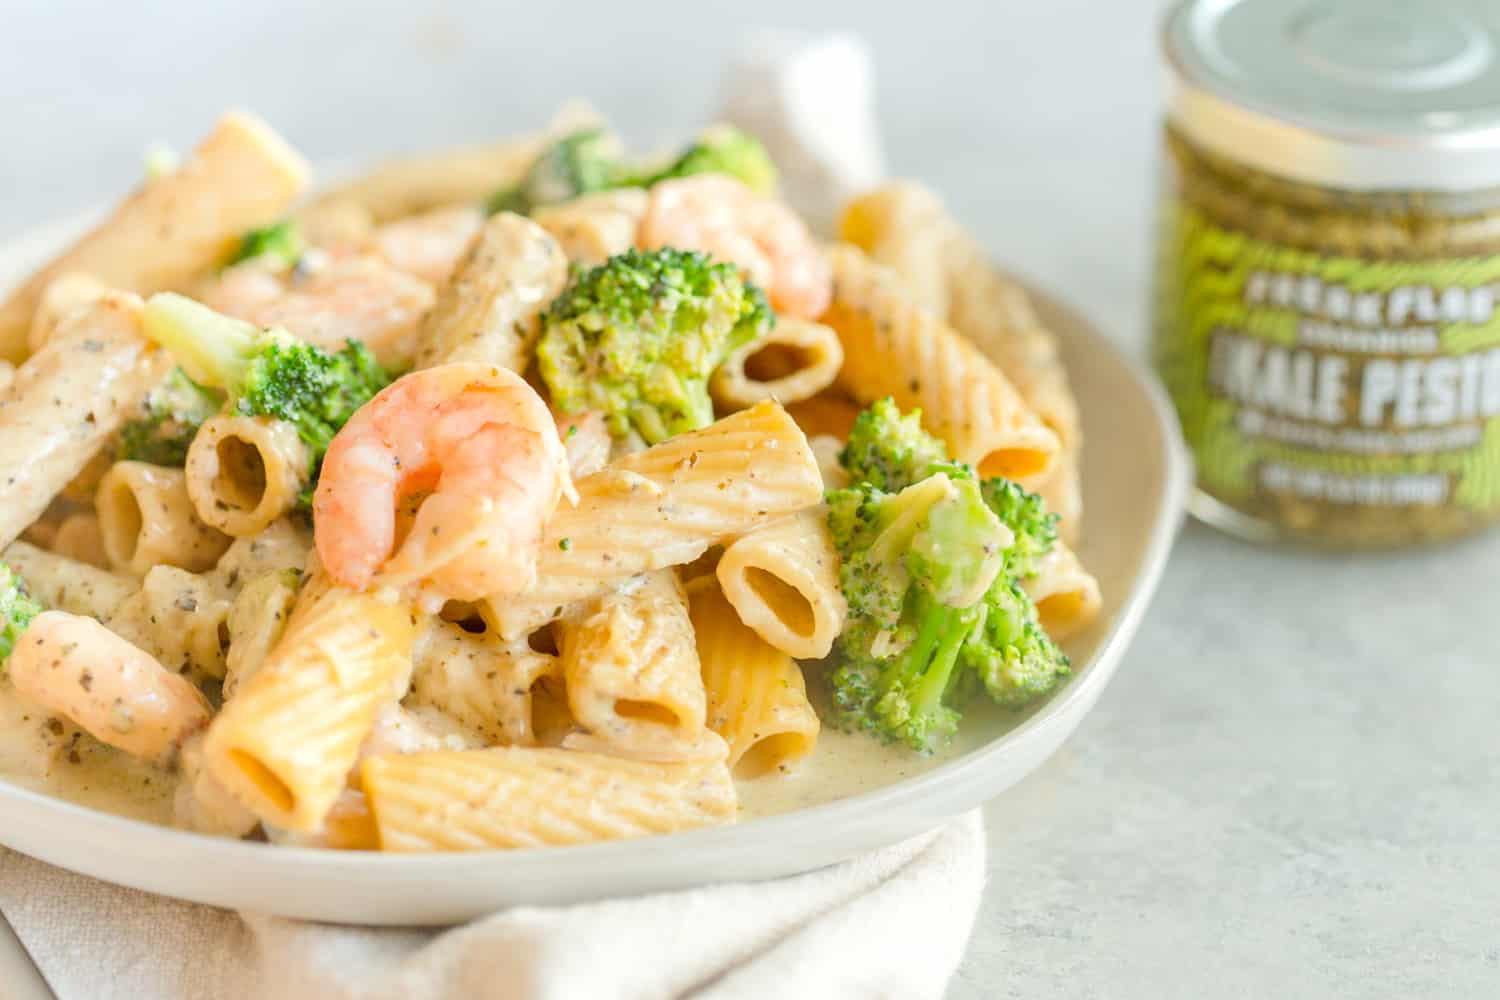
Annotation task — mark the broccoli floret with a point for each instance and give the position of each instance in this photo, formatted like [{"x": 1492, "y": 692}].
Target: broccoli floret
[
  {"x": 1011, "y": 653},
  {"x": 724, "y": 149},
  {"x": 17, "y": 608},
  {"x": 266, "y": 373},
  {"x": 937, "y": 614},
  {"x": 637, "y": 338},
  {"x": 890, "y": 451},
  {"x": 1025, "y": 514},
  {"x": 173, "y": 412},
  {"x": 578, "y": 163},
  {"x": 914, "y": 567},
  {"x": 281, "y": 241}
]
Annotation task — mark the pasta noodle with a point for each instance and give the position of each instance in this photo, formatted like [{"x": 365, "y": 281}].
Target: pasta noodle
[
  {"x": 66, "y": 400},
  {"x": 82, "y": 487},
  {"x": 586, "y": 440},
  {"x": 594, "y": 227},
  {"x": 757, "y": 699},
  {"x": 245, "y": 472},
  {"x": 179, "y": 618},
  {"x": 1067, "y": 597},
  {"x": 631, "y": 671},
  {"x": 79, "y": 537},
  {"x": 145, "y": 520},
  {"x": 516, "y": 797},
  {"x": 783, "y": 580},
  {"x": 285, "y": 742},
  {"x": 664, "y": 507},
  {"x": 892, "y": 347},
  {"x": 61, "y": 582},
  {"x": 177, "y": 226},
  {"x": 256, "y": 620},
  {"x": 201, "y": 803},
  {"x": 795, "y": 360},
  {"x": 347, "y": 827},
  {"x": 488, "y": 310},
  {"x": 64, "y": 296},
  {"x": 906, "y": 227},
  {"x": 828, "y": 414},
  {"x": 484, "y": 683}
]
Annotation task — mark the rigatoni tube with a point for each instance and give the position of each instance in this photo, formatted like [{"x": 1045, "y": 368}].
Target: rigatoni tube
[{"x": 147, "y": 520}]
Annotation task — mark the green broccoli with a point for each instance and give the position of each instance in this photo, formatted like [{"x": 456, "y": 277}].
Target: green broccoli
[
  {"x": 1011, "y": 653},
  {"x": 577, "y": 163},
  {"x": 938, "y": 613},
  {"x": 17, "y": 608},
  {"x": 266, "y": 373},
  {"x": 281, "y": 241},
  {"x": 1025, "y": 514},
  {"x": 890, "y": 451},
  {"x": 638, "y": 337},
  {"x": 915, "y": 565},
  {"x": 173, "y": 412},
  {"x": 723, "y": 149}
]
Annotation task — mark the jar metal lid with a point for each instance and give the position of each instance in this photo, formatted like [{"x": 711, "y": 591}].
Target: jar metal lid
[{"x": 1353, "y": 94}]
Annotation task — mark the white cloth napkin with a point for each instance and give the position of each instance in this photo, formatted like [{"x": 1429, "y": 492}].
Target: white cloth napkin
[{"x": 893, "y": 923}]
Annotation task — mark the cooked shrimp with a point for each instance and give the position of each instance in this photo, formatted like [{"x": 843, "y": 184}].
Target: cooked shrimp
[
  {"x": 722, "y": 217},
  {"x": 482, "y": 446},
  {"x": 331, "y": 300},
  {"x": 429, "y": 245},
  {"x": 77, "y": 668}
]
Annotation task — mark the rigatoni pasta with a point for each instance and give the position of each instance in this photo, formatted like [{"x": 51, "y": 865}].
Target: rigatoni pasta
[
  {"x": 243, "y": 473},
  {"x": 516, "y": 797},
  {"x": 80, "y": 537},
  {"x": 146, "y": 519},
  {"x": 488, "y": 309},
  {"x": 1066, "y": 595},
  {"x": 893, "y": 347},
  {"x": 795, "y": 361},
  {"x": 283, "y": 745},
  {"x": 65, "y": 402},
  {"x": 663, "y": 507},
  {"x": 67, "y": 584},
  {"x": 481, "y": 681},
  {"x": 757, "y": 698},
  {"x": 782, "y": 580},
  {"x": 631, "y": 671},
  {"x": 175, "y": 226}
]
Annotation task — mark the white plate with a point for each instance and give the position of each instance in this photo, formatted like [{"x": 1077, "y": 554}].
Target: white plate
[{"x": 1135, "y": 478}]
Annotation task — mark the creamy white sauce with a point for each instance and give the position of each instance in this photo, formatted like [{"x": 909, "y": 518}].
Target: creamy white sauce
[
  {"x": 45, "y": 755},
  {"x": 841, "y": 765}
]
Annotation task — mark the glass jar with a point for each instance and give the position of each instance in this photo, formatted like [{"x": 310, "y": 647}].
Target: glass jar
[{"x": 1327, "y": 304}]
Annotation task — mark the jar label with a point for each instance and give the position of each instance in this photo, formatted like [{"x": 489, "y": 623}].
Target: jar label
[{"x": 1324, "y": 380}]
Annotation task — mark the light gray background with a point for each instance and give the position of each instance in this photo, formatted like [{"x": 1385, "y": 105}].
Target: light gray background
[{"x": 1291, "y": 788}]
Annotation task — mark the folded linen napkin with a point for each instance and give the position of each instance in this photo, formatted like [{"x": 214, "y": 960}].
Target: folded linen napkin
[{"x": 892, "y": 923}]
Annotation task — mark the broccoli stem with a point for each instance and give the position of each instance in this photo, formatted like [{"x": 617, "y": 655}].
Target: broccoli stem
[
  {"x": 213, "y": 349},
  {"x": 932, "y": 655}
]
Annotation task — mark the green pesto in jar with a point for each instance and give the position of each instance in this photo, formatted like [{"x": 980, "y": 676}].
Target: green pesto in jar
[{"x": 1326, "y": 317}]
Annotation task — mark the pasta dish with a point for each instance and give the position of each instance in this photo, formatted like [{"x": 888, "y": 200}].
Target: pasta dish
[{"x": 520, "y": 495}]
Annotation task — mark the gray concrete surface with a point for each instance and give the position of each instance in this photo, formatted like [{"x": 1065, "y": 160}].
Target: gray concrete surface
[{"x": 1292, "y": 789}]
